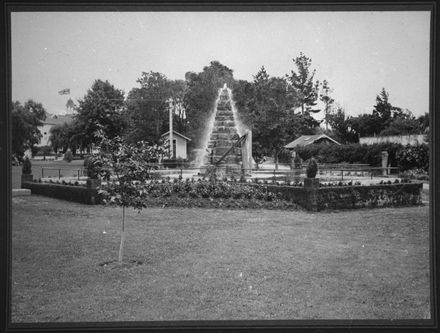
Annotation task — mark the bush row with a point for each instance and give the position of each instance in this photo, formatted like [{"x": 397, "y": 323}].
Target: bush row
[
  {"x": 404, "y": 157},
  {"x": 201, "y": 189}
]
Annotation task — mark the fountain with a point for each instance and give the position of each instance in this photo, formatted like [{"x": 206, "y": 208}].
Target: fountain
[{"x": 228, "y": 148}]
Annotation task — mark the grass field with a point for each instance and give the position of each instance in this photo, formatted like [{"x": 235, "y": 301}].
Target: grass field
[{"x": 209, "y": 264}]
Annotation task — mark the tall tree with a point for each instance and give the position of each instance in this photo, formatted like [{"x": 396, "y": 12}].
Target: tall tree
[
  {"x": 403, "y": 123},
  {"x": 200, "y": 95},
  {"x": 147, "y": 110},
  {"x": 384, "y": 111},
  {"x": 101, "y": 107},
  {"x": 328, "y": 101},
  {"x": 25, "y": 122},
  {"x": 302, "y": 81},
  {"x": 341, "y": 127},
  {"x": 267, "y": 111},
  {"x": 65, "y": 136},
  {"x": 424, "y": 121}
]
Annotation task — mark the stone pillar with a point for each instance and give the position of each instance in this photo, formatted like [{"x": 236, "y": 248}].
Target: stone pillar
[
  {"x": 26, "y": 178},
  {"x": 384, "y": 155},
  {"x": 246, "y": 153},
  {"x": 311, "y": 185},
  {"x": 311, "y": 182},
  {"x": 92, "y": 189}
]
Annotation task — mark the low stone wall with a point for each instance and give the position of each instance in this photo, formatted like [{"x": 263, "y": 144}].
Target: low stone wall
[
  {"x": 81, "y": 194},
  {"x": 351, "y": 197},
  {"x": 305, "y": 198},
  {"x": 313, "y": 199}
]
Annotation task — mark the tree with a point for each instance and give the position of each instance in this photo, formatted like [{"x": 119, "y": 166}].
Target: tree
[
  {"x": 403, "y": 126},
  {"x": 266, "y": 106},
  {"x": 341, "y": 127},
  {"x": 64, "y": 136},
  {"x": 101, "y": 107},
  {"x": 384, "y": 111},
  {"x": 327, "y": 100},
  {"x": 366, "y": 125},
  {"x": 302, "y": 82},
  {"x": 59, "y": 137},
  {"x": 25, "y": 122},
  {"x": 124, "y": 167},
  {"x": 424, "y": 121},
  {"x": 147, "y": 112},
  {"x": 199, "y": 99}
]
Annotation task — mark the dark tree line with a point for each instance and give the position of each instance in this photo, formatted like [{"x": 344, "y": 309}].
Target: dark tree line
[
  {"x": 277, "y": 109},
  {"x": 384, "y": 120}
]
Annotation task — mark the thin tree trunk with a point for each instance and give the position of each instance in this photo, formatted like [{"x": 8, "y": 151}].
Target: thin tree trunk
[{"x": 121, "y": 247}]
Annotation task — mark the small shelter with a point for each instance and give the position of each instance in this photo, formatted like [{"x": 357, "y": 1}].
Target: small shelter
[
  {"x": 306, "y": 140},
  {"x": 180, "y": 144}
]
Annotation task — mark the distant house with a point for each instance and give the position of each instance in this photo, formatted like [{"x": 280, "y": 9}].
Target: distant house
[
  {"x": 51, "y": 121},
  {"x": 306, "y": 140},
  {"x": 180, "y": 143}
]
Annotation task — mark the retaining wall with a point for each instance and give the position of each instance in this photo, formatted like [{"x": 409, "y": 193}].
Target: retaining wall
[
  {"x": 81, "y": 194},
  {"x": 313, "y": 199},
  {"x": 351, "y": 197}
]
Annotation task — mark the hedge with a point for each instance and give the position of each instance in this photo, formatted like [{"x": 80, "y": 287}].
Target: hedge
[
  {"x": 78, "y": 193},
  {"x": 404, "y": 157}
]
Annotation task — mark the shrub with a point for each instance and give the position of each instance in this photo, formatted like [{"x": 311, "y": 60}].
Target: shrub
[
  {"x": 312, "y": 168},
  {"x": 26, "y": 169},
  {"x": 350, "y": 153},
  {"x": 413, "y": 157},
  {"x": 68, "y": 156}
]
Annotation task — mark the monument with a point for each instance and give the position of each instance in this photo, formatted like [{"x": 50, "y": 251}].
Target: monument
[{"x": 228, "y": 150}]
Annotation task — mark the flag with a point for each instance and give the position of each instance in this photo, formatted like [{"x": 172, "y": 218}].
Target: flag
[{"x": 64, "y": 91}]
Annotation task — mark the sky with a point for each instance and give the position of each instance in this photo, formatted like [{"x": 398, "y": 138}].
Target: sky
[{"x": 358, "y": 53}]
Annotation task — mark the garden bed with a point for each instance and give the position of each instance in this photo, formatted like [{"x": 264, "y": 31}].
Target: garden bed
[{"x": 250, "y": 195}]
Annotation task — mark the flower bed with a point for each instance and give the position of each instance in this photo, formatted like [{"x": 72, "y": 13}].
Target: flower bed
[
  {"x": 204, "y": 194},
  {"x": 223, "y": 194}
]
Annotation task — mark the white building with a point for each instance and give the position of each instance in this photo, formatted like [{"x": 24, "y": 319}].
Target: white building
[
  {"x": 51, "y": 121},
  {"x": 180, "y": 144}
]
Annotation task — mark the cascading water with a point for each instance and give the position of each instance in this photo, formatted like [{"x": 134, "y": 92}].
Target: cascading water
[
  {"x": 202, "y": 153},
  {"x": 241, "y": 129},
  {"x": 223, "y": 132}
]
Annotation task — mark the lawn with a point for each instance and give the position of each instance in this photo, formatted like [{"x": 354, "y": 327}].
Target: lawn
[{"x": 213, "y": 264}]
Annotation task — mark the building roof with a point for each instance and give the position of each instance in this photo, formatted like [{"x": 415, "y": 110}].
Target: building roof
[
  {"x": 58, "y": 119},
  {"x": 176, "y": 133},
  {"x": 309, "y": 139}
]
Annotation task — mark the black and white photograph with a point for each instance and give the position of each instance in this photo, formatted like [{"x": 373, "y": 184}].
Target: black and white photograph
[{"x": 214, "y": 167}]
